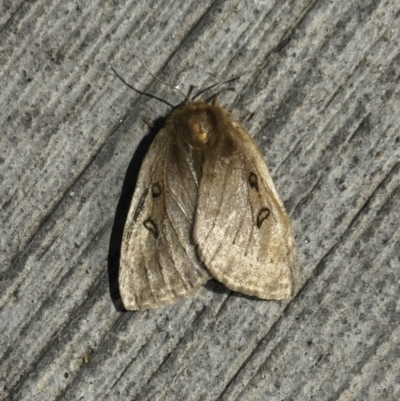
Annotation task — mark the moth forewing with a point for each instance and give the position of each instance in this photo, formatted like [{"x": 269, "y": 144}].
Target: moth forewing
[
  {"x": 241, "y": 227},
  {"x": 158, "y": 262}
]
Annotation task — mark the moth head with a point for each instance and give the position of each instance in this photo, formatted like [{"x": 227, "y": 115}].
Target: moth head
[
  {"x": 199, "y": 124},
  {"x": 199, "y": 131}
]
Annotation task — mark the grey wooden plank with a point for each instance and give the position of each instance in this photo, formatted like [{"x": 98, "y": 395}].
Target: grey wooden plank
[{"x": 321, "y": 85}]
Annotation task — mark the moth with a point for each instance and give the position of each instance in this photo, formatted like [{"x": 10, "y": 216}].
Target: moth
[{"x": 204, "y": 207}]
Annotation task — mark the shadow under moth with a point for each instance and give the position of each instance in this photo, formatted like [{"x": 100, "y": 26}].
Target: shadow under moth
[{"x": 204, "y": 207}]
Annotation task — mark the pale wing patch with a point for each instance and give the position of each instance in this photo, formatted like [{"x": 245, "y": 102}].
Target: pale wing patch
[
  {"x": 241, "y": 228},
  {"x": 158, "y": 262}
]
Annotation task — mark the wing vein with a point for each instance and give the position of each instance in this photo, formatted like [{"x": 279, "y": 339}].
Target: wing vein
[
  {"x": 161, "y": 268},
  {"x": 170, "y": 246},
  {"x": 217, "y": 214},
  {"x": 179, "y": 204},
  {"x": 148, "y": 280},
  {"x": 244, "y": 213},
  {"x": 171, "y": 252},
  {"x": 190, "y": 168}
]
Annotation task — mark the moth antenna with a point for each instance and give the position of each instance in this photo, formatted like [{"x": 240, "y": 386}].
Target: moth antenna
[
  {"x": 214, "y": 85},
  {"x": 160, "y": 80},
  {"x": 188, "y": 100},
  {"x": 250, "y": 116},
  {"x": 141, "y": 92},
  {"x": 190, "y": 91},
  {"x": 213, "y": 99}
]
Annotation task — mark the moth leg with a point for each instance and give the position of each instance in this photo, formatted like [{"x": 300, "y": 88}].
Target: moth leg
[{"x": 146, "y": 121}]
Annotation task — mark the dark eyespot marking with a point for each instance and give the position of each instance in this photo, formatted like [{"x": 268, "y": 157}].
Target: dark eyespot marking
[
  {"x": 151, "y": 226},
  {"x": 262, "y": 215},
  {"x": 253, "y": 181},
  {"x": 156, "y": 190}
]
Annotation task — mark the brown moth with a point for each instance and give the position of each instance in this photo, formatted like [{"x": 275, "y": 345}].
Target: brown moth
[{"x": 205, "y": 206}]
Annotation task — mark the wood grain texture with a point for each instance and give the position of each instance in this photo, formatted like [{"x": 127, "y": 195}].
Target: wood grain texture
[{"x": 320, "y": 95}]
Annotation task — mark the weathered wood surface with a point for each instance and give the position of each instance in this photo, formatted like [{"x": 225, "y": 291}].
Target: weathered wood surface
[{"x": 323, "y": 81}]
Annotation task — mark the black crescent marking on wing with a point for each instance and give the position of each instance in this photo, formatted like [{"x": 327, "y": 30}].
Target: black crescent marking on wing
[
  {"x": 253, "y": 180},
  {"x": 256, "y": 175},
  {"x": 156, "y": 190},
  {"x": 252, "y": 214},
  {"x": 271, "y": 197},
  {"x": 156, "y": 233},
  {"x": 263, "y": 215},
  {"x": 150, "y": 225}
]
